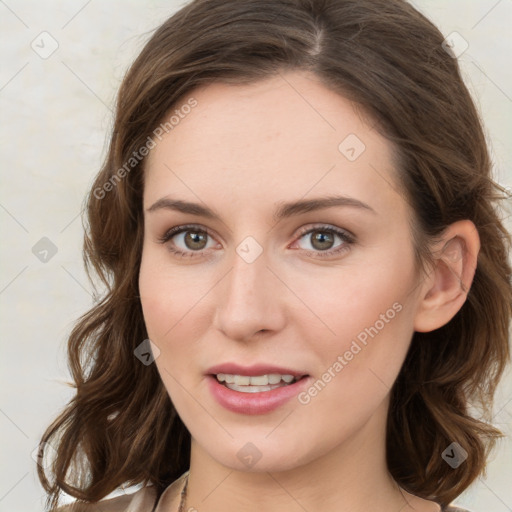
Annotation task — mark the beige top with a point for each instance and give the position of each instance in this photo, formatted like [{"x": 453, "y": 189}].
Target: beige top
[{"x": 144, "y": 499}]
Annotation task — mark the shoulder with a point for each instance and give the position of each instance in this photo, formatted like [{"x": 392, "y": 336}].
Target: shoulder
[
  {"x": 455, "y": 508},
  {"x": 140, "y": 501}
]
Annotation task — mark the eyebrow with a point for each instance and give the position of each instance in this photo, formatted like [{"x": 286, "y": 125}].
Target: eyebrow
[{"x": 284, "y": 210}]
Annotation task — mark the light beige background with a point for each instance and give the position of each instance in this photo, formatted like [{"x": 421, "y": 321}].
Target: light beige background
[{"x": 55, "y": 118}]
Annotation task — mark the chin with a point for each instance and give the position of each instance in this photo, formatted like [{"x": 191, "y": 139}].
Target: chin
[{"x": 260, "y": 455}]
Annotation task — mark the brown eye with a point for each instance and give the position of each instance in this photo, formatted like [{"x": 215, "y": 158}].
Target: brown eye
[
  {"x": 187, "y": 240},
  {"x": 195, "y": 240},
  {"x": 321, "y": 240}
]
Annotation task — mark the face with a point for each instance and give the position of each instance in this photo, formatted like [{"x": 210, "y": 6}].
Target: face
[{"x": 321, "y": 289}]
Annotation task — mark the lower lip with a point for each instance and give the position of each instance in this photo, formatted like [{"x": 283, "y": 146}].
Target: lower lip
[{"x": 254, "y": 403}]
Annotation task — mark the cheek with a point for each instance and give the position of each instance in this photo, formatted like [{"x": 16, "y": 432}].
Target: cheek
[
  {"x": 369, "y": 315},
  {"x": 166, "y": 298},
  {"x": 154, "y": 299},
  {"x": 359, "y": 364}
]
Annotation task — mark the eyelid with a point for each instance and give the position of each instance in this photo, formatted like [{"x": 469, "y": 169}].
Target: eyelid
[
  {"x": 344, "y": 233},
  {"x": 348, "y": 239},
  {"x": 180, "y": 228}
]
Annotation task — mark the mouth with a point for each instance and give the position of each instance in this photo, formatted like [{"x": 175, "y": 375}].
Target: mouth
[
  {"x": 255, "y": 394},
  {"x": 256, "y": 383}
]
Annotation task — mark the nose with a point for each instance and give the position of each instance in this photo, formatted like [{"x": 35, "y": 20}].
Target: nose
[{"x": 249, "y": 299}]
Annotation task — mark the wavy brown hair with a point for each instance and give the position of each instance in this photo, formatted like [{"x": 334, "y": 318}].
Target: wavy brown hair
[{"x": 121, "y": 427}]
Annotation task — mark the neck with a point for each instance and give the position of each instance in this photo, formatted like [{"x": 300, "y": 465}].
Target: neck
[{"x": 351, "y": 477}]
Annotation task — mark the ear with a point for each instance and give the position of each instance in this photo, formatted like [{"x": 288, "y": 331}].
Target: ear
[{"x": 447, "y": 284}]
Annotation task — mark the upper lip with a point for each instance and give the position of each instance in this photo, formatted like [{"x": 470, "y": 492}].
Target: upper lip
[{"x": 256, "y": 369}]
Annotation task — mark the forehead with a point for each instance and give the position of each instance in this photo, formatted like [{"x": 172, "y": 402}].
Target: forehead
[{"x": 287, "y": 134}]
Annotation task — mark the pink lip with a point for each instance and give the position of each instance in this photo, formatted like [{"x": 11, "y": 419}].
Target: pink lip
[
  {"x": 256, "y": 369},
  {"x": 255, "y": 403}
]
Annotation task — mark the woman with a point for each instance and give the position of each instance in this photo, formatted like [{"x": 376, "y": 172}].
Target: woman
[{"x": 307, "y": 277}]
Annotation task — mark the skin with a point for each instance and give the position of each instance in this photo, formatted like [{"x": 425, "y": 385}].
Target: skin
[{"x": 242, "y": 151}]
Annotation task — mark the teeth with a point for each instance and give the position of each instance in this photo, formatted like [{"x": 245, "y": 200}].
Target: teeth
[
  {"x": 254, "y": 389},
  {"x": 258, "y": 380}
]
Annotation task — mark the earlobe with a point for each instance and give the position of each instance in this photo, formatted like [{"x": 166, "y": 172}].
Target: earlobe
[{"x": 448, "y": 282}]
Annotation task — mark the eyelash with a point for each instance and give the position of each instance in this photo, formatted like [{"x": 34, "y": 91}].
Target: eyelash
[{"x": 347, "y": 239}]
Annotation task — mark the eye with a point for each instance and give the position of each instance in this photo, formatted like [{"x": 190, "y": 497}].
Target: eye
[
  {"x": 192, "y": 240},
  {"x": 186, "y": 240},
  {"x": 321, "y": 240}
]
